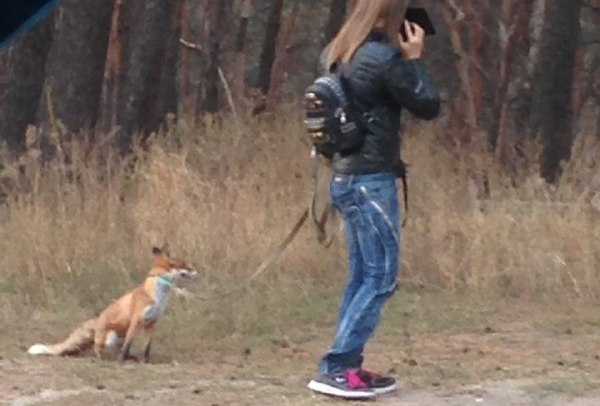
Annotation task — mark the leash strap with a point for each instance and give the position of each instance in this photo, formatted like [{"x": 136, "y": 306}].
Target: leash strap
[
  {"x": 319, "y": 221},
  {"x": 276, "y": 252},
  {"x": 271, "y": 258},
  {"x": 405, "y": 194}
]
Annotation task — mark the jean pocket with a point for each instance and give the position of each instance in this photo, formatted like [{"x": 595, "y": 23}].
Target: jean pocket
[{"x": 341, "y": 195}]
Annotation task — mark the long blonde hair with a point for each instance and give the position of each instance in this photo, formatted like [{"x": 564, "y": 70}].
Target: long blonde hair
[{"x": 366, "y": 15}]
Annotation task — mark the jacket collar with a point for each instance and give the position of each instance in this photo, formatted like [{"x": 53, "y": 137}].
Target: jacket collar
[{"x": 377, "y": 35}]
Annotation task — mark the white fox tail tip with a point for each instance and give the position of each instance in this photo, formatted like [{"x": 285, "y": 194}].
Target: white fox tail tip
[{"x": 38, "y": 349}]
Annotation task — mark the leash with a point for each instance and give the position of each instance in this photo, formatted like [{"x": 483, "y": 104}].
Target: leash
[
  {"x": 404, "y": 177},
  {"x": 268, "y": 261},
  {"x": 318, "y": 221}
]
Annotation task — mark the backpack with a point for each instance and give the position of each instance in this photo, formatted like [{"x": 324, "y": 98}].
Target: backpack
[
  {"x": 332, "y": 119},
  {"x": 336, "y": 124}
]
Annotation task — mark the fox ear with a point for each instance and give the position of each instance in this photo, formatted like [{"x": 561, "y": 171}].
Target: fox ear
[{"x": 156, "y": 251}]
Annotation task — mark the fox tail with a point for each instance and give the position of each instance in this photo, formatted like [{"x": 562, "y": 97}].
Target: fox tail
[{"x": 81, "y": 339}]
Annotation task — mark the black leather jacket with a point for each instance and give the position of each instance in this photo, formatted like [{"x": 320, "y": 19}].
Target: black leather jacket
[{"x": 382, "y": 83}]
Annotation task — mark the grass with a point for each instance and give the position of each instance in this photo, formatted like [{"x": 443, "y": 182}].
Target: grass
[{"x": 77, "y": 231}]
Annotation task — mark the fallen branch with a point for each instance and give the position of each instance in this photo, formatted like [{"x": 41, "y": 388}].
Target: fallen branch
[
  {"x": 198, "y": 48},
  {"x": 190, "y": 45},
  {"x": 228, "y": 93}
]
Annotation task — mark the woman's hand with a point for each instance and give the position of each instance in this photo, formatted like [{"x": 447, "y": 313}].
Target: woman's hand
[{"x": 413, "y": 47}]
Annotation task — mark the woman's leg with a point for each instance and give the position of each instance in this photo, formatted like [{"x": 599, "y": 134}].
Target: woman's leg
[
  {"x": 351, "y": 218},
  {"x": 355, "y": 261},
  {"x": 376, "y": 243}
]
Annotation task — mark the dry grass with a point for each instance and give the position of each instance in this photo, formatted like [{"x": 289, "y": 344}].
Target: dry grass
[
  {"x": 528, "y": 239},
  {"x": 75, "y": 235}
]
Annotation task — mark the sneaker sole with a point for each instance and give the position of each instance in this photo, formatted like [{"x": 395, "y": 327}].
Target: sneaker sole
[
  {"x": 325, "y": 389},
  {"x": 383, "y": 391}
]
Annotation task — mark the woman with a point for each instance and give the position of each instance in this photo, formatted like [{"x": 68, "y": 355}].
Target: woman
[{"x": 385, "y": 74}]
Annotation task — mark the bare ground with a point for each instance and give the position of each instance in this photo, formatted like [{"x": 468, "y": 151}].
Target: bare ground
[{"x": 524, "y": 358}]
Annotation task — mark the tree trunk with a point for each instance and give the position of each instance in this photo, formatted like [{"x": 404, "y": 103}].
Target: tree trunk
[
  {"x": 476, "y": 44},
  {"x": 337, "y": 13},
  {"x": 200, "y": 64},
  {"x": 514, "y": 23},
  {"x": 184, "y": 60},
  {"x": 468, "y": 135},
  {"x": 215, "y": 34},
  {"x": 167, "y": 101},
  {"x": 21, "y": 92},
  {"x": 75, "y": 67},
  {"x": 148, "y": 27},
  {"x": 269, "y": 46},
  {"x": 281, "y": 57},
  {"x": 112, "y": 71},
  {"x": 552, "y": 107},
  {"x": 240, "y": 50}
]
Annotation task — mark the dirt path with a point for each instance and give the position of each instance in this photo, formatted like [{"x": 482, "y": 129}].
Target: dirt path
[
  {"x": 543, "y": 359},
  {"x": 278, "y": 376},
  {"x": 28, "y": 383}
]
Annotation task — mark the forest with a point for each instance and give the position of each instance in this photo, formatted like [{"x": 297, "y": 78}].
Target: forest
[
  {"x": 131, "y": 112},
  {"x": 510, "y": 71}
]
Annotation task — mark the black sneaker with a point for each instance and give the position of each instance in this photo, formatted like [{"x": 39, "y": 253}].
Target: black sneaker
[
  {"x": 378, "y": 383},
  {"x": 347, "y": 385}
]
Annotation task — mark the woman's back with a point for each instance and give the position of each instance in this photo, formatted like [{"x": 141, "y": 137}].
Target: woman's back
[{"x": 381, "y": 82}]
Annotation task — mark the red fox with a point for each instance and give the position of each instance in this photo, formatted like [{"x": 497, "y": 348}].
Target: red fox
[{"x": 134, "y": 312}]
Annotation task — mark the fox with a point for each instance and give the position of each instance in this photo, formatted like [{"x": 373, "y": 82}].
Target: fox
[{"x": 135, "y": 312}]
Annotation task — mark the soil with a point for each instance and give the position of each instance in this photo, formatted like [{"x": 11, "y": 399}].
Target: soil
[
  {"x": 443, "y": 351},
  {"x": 514, "y": 365}
]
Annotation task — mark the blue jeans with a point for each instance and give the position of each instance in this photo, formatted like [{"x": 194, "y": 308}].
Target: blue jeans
[{"x": 369, "y": 206}]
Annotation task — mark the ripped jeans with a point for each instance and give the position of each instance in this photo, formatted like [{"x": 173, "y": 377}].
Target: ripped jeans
[{"x": 369, "y": 206}]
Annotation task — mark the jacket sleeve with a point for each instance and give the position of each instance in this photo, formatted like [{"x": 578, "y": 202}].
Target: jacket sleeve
[{"x": 411, "y": 86}]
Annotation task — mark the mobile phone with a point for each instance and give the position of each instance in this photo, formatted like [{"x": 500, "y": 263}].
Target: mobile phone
[{"x": 419, "y": 16}]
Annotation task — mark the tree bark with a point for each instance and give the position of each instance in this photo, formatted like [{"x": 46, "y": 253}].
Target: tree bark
[
  {"x": 215, "y": 34},
  {"x": 24, "y": 77},
  {"x": 240, "y": 50},
  {"x": 513, "y": 34},
  {"x": 269, "y": 46},
  {"x": 469, "y": 134},
  {"x": 337, "y": 13},
  {"x": 552, "y": 107},
  {"x": 75, "y": 67},
  {"x": 112, "y": 71},
  {"x": 281, "y": 58},
  {"x": 203, "y": 14},
  {"x": 184, "y": 60},
  {"x": 147, "y": 27},
  {"x": 476, "y": 44},
  {"x": 167, "y": 101}
]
